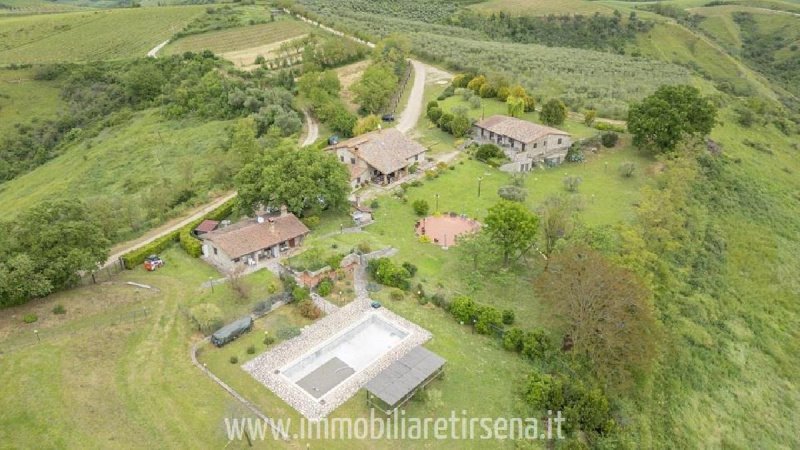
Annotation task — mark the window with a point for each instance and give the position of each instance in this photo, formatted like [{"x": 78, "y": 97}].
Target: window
[
  {"x": 512, "y": 143},
  {"x": 545, "y": 143},
  {"x": 215, "y": 250},
  {"x": 535, "y": 144},
  {"x": 341, "y": 158},
  {"x": 352, "y": 160},
  {"x": 559, "y": 140},
  {"x": 523, "y": 147},
  {"x": 236, "y": 260}
]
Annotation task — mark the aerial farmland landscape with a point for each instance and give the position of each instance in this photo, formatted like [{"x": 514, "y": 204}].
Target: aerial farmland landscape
[{"x": 373, "y": 224}]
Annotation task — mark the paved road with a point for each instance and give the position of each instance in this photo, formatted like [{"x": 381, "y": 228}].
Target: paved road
[
  {"x": 130, "y": 246},
  {"x": 313, "y": 130},
  {"x": 410, "y": 115}
]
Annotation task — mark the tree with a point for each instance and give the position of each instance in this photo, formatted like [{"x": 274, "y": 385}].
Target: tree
[
  {"x": 460, "y": 125},
  {"x": 393, "y": 50},
  {"x": 476, "y": 83},
  {"x": 512, "y": 228},
  {"x": 46, "y": 248},
  {"x": 421, "y": 207},
  {"x": 434, "y": 114},
  {"x": 306, "y": 179},
  {"x": 243, "y": 140},
  {"x": 572, "y": 183},
  {"x": 606, "y": 309},
  {"x": 557, "y": 220},
  {"x": 661, "y": 120},
  {"x": 553, "y": 112},
  {"x": 516, "y": 106},
  {"x": 609, "y": 139},
  {"x": 486, "y": 152},
  {"x": 366, "y": 124},
  {"x": 375, "y": 88},
  {"x": 589, "y": 116}
]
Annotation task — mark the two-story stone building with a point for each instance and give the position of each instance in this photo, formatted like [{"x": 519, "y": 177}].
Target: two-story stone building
[{"x": 525, "y": 143}]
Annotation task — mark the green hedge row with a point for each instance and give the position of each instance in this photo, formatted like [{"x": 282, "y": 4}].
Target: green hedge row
[
  {"x": 192, "y": 245},
  {"x": 188, "y": 242},
  {"x": 137, "y": 257}
]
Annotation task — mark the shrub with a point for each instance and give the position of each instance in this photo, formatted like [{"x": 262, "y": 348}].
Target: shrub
[
  {"x": 300, "y": 293},
  {"x": 421, "y": 207},
  {"x": 508, "y": 317},
  {"x": 488, "y": 319},
  {"x": 475, "y": 102},
  {"x": 59, "y": 309},
  {"x": 487, "y": 91},
  {"x": 288, "y": 333},
  {"x": 311, "y": 222},
  {"x": 396, "y": 295},
  {"x": 137, "y": 257},
  {"x": 609, "y": 139},
  {"x": 386, "y": 272},
  {"x": 324, "y": 287},
  {"x": 422, "y": 300},
  {"x": 571, "y": 183},
  {"x": 412, "y": 270},
  {"x": 432, "y": 104},
  {"x": 463, "y": 308},
  {"x": 374, "y": 204},
  {"x": 536, "y": 344},
  {"x": 513, "y": 340},
  {"x": 207, "y": 317},
  {"x": 30, "y": 318},
  {"x": 234, "y": 359},
  {"x": 364, "y": 247},
  {"x": 627, "y": 169},
  {"x": 309, "y": 310},
  {"x": 437, "y": 299},
  {"x": 251, "y": 350},
  {"x": 269, "y": 339},
  {"x": 486, "y": 152},
  {"x": 513, "y": 193}
]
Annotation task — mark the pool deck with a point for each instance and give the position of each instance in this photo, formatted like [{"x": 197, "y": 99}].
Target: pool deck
[{"x": 264, "y": 366}]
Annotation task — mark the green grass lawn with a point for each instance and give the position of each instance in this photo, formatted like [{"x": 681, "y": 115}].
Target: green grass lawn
[{"x": 88, "y": 36}]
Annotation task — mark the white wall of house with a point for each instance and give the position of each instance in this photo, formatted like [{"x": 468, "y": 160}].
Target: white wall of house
[{"x": 524, "y": 156}]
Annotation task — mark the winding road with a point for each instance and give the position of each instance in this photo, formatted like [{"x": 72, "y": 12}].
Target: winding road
[
  {"x": 312, "y": 134},
  {"x": 410, "y": 115}
]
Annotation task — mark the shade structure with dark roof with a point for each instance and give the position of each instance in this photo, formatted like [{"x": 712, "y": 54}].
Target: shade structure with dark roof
[{"x": 397, "y": 383}]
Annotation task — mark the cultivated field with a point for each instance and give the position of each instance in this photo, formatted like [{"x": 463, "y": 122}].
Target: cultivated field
[
  {"x": 85, "y": 36},
  {"x": 542, "y": 7},
  {"x": 244, "y": 43}
]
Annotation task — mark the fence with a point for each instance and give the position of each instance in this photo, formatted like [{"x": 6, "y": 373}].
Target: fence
[
  {"x": 102, "y": 275},
  {"x": 36, "y": 336},
  {"x": 401, "y": 88}
]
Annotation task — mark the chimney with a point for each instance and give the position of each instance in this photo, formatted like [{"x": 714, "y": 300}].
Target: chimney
[
  {"x": 284, "y": 211},
  {"x": 271, "y": 224},
  {"x": 260, "y": 218}
]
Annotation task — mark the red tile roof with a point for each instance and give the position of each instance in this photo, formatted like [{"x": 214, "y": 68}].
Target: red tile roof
[
  {"x": 250, "y": 236},
  {"x": 207, "y": 226},
  {"x": 517, "y": 129}
]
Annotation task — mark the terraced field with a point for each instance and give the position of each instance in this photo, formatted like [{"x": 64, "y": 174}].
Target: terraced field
[
  {"x": 85, "y": 36},
  {"x": 240, "y": 39}
]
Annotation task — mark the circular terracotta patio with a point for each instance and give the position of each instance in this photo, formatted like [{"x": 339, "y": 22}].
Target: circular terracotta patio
[{"x": 445, "y": 229}]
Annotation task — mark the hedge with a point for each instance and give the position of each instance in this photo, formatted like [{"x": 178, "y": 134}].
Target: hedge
[
  {"x": 191, "y": 244},
  {"x": 137, "y": 257}
]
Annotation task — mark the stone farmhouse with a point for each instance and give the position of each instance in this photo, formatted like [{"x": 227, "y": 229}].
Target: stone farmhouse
[
  {"x": 525, "y": 143},
  {"x": 381, "y": 157},
  {"x": 253, "y": 240}
]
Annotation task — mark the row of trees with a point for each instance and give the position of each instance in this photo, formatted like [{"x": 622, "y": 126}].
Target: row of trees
[
  {"x": 379, "y": 82},
  {"x": 322, "y": 89}
]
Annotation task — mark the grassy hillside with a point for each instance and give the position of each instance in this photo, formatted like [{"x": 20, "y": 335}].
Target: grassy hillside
[
  {"x": 21, "y": 98},
  {"x": 85, "y": 36},
  {"x": 542, "y": 7},
  {"x": 240, "y": 38},
  {"x": 138, "y": 168}
]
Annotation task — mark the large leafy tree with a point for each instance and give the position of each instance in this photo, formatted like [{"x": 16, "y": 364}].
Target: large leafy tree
[
  {"x": 606, "y": 309},
  {"x": 47, "y": 247},
  {"x": 376, "y": 86},
  {"x": 553, "y": 112},
  {"x": 512, "y": 227},
  {"x": 662, "y": 120},
  {"x": 306, "y": 179}
]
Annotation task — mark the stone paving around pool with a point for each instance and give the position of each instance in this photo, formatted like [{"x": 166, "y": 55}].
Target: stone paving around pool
[{"x": 263, "y": 367}]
